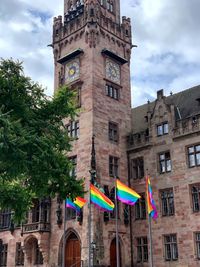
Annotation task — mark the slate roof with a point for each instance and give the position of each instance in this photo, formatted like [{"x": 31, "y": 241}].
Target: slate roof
[{"x": 185, "y": 102}]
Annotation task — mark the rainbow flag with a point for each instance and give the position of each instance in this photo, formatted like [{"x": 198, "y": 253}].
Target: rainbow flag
[
  {"x": 125, "y": 194},
  {"x": 76, "y": 205},
  {"x": 100, "y": 200},
  {"x": 151, "y": 207}
]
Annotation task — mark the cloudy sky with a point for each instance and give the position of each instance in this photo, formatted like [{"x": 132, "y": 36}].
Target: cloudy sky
[{"x": 166, "y": 32}]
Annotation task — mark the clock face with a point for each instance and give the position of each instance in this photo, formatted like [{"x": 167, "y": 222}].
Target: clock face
[
  {"x": 112, "y": 71},
  {"x": 72, "y": 71}
]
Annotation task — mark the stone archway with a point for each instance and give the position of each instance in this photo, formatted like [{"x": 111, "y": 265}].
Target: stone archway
[
  {"x": 73, "y": 251},
  {"x": 32, "y": 251},
  {"x": 113, "y": 254}
]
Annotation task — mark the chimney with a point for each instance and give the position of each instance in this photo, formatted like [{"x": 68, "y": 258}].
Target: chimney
[{"x": 160, "y": 94}]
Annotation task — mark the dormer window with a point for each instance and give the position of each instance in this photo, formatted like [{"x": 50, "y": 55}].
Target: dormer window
[
  {"x": 111, "y": 6},
  {"x": 162, "y": 129}
]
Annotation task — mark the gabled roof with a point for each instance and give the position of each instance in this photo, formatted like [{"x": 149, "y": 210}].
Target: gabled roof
[{"x": 185, "y": 102}]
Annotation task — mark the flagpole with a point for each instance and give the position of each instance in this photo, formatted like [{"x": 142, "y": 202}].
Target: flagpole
[
  {"x": 116, "y": 220},
  {"x": 150, "y": 229},
  {"x": 89, "y": 230},
  {"x": 63, "y": 252},
  {"x": 150, "y": 243},
  {"x": 92, "y": 181}
]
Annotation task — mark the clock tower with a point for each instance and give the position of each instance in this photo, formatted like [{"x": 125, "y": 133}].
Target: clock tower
[{"x": 92, "y": 49}]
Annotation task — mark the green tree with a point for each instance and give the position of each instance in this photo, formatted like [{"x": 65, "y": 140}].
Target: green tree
[{"x": 33, "y": 141}]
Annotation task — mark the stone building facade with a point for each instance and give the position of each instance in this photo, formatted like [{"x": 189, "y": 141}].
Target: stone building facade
[
  {"x": 165, "y": 144},
  {"x": 92, "y": 50}
]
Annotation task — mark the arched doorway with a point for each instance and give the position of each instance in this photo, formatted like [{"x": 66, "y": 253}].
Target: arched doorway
[
  {"x": 73, "y": 251},
  {"x": 113, "y": 254}
]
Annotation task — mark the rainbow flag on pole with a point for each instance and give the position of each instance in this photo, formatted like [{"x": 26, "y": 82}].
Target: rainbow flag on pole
[
  {"x": 100, "y": 200},
  {"x": 151, "y": 207},
  {"x": 76, "y": 205},
  {"x": 125, "y": 194}
]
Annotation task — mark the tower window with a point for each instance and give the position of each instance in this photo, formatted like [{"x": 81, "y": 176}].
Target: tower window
[
  {"x": 73, "y": 129},
  {"x": 112, "y": 91},
  {"x": 113, "y": 132},
  {"x": 113, "y": 166},
  {"x": 73, "y": 171}
]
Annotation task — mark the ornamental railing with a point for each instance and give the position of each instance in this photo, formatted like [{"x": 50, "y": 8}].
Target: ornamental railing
[
  {"x": 36, "y": 227},
  {"x": 187, "y": 126},
  {"x": 138, "y": 140}
]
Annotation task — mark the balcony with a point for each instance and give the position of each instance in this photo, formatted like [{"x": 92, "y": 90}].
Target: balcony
[
  {"x": 187, "y": 126},
  {"x": 135, "y": 141},
  {"x": 36, "y": 227}
]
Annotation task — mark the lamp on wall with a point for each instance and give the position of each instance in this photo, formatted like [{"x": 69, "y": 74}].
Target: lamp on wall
[
  {"x": 59, "y": 215},
  {"x": 59, "y": 212}
]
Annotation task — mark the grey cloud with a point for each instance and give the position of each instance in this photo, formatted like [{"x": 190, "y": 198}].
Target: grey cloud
[{"x": 166, "y": 32}]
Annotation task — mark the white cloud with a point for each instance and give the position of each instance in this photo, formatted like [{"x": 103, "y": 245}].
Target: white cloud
[
  {"x": 167, "y": 35},
  {"x": 166, "y": 32}
]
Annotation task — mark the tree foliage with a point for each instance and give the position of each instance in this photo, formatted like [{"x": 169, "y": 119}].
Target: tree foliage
[{"x": 33, "y": 141}]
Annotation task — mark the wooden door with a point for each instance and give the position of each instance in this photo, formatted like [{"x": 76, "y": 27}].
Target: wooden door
[
  {"x": 73, "y": 252},
  {"x": 113, "y": 254}
]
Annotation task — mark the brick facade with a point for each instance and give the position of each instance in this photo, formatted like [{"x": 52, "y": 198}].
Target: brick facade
[
  {"x": 183, "y": 222},
  {"x": 86, "y": 40}
]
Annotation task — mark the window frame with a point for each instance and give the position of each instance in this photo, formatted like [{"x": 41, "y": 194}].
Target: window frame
[
  {"x": 19, "y": 255},
  {"x": 112, "y": 91},
  {"x": 113, "y": 131},
  {"x": 137, "y": 168},
  {"x": 197, "y": 244},
  {"x": 73, "y": 129},
  {"x": 70, "y": 214},
  {"x": 162, "y": 127},
  {"x": 171, "y": 247},
  {"x": 140, "y": 208},
  {"x": 112, "y": 198},
  {"x": 38, "y": 259},
  {"x": 73, "y": 160},
  {"x": 113, "y": 166},
  {"x": 5, "y": 219},
  {"x": 4, "y": 255},
  {"x": 195, "y": 197},
  {"x": 141, "y": 247},
  {"x": 194, "y": 154},
  {"x": 165, "y": 160},
  {"x": 167, "y": 211}
]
